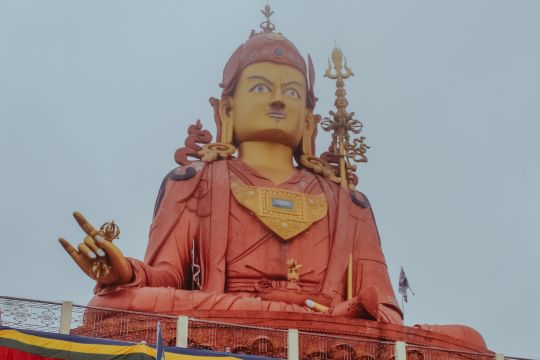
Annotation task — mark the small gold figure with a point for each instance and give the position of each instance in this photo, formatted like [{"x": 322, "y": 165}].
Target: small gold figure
[{"x": 293, "y": 276}]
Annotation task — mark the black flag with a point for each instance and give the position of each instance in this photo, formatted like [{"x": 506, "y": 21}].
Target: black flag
[{"x": 404, "y": 285}]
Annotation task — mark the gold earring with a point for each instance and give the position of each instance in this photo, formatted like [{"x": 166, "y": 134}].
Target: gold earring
[
  {"x": 308, "y": 158},
  {"x": 226, "y": 131},
  {"x": 308, "y": 137},
  {"x": 306, "y": 143},
  {"x": 224, "y": 148},
  {"x": 223, "y": 109}
]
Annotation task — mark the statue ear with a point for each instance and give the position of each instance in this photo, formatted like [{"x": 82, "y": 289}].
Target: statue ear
[
  {"x": 310, "y": 131},
  {"x": 225, "y": 114}
]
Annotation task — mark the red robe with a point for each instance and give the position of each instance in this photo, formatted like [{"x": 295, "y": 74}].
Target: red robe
[{"x": 237, "y": 253}]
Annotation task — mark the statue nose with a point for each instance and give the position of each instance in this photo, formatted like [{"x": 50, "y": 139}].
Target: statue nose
[{"x": 277, "y": 104}]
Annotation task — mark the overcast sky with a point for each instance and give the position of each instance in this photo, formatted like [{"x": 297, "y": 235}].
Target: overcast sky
[{"x": 96, "y": 96}]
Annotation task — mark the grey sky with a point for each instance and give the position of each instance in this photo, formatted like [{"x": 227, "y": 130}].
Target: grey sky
[{"x": 95, "y": 97}]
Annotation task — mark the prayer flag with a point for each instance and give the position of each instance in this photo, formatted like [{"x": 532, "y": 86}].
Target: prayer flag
[
  {"x": 160, "y": 354},
  {"x": 404, "y": 285}
]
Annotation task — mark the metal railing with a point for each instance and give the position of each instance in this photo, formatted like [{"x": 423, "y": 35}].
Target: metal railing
[
  {"x": 318, "y": 346},
  {"x": 66, "y": 318},
  {"x": 121, "y": 325},
  {"x": 210, "y": 335},
  {"x": 30, "y": 314},
  {"x": 419, "y": 352}
]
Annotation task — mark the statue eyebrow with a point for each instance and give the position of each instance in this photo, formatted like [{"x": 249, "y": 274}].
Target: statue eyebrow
[
  {"x": 293, "y": 82},
  {"x": 258, "y": 77}
]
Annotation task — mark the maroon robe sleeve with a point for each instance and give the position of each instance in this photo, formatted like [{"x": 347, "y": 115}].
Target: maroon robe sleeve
[
  {"x": 167, "y": 258},
  {"x": 371, "y": 274}
]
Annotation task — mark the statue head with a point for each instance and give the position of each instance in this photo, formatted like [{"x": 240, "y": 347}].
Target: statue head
[{"x": 267, "y": 93}]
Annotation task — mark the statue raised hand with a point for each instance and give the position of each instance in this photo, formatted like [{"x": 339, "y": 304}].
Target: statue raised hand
[{"x": 97, "y": 256}]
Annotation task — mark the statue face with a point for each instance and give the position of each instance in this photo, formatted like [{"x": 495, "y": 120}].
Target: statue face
[{"x": 269, "y": 104}]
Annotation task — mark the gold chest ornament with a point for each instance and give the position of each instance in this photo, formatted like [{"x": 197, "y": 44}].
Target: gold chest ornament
[{"x": 286, "y": 213}]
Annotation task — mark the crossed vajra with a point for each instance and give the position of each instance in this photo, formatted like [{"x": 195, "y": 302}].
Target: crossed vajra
[{"x": 109, "y": 231}]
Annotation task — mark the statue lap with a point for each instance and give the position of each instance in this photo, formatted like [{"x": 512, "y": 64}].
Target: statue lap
[{"x": 247, "y": 257}]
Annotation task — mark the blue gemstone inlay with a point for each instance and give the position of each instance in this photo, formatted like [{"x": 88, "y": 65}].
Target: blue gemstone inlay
[
  {"x": 278, "y": 52},
  {"x": 282, "y": 203}
]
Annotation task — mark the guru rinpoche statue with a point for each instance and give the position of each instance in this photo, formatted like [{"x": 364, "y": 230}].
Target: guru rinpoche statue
[{"x": 252, "y": 231}]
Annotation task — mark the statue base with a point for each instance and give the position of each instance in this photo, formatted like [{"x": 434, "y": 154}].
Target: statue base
[{"x": 265, "y": 333}]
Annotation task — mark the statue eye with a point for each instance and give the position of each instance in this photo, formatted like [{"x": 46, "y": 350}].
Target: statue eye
[
  {"x": 260, "y": 88},
  {"x": 292, "y": 93}
]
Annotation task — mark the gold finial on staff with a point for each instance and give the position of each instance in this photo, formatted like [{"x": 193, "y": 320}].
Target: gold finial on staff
[{"x": 341, "y": 123}]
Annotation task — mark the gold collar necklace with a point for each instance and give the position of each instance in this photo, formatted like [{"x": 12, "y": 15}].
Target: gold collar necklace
[{"x": 287, "y": 213}]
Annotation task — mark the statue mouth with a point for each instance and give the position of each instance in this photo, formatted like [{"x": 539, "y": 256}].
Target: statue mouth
[{"x": 276, "y": 114}]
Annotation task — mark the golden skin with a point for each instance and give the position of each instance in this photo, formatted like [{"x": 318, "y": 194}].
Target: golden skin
[{"x": 269, "y": 116}]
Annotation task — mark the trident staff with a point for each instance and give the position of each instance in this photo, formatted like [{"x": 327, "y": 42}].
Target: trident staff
[{"x": 341, "y": 123}]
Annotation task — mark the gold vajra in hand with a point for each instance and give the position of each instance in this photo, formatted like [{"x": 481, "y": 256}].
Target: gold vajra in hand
[
  {"x": 97, "y": 256},
  {"x": 109, "y": 231}
]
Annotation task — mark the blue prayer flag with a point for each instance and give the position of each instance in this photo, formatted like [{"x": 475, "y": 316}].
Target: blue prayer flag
[{"x": 160, "y": 353}]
